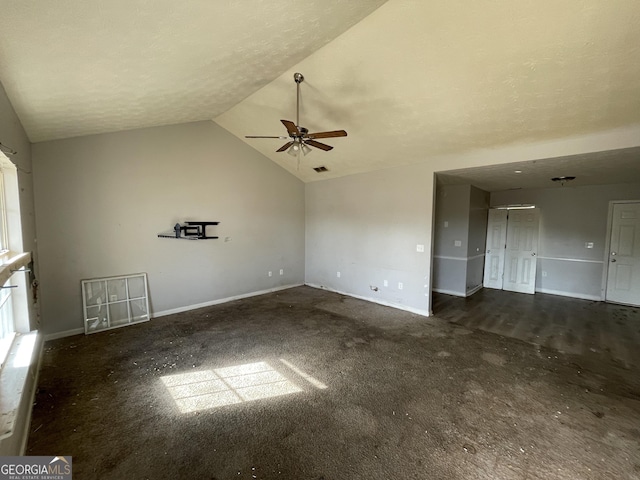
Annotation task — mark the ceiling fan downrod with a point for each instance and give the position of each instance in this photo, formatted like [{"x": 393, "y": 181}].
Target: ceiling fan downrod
[{"x": 299, "y": 78}]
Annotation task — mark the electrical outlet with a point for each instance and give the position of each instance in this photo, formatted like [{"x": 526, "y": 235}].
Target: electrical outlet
[
  {"x": 400, "y": 286},
  {"x": 457, "y": 243},
  {"x": 544, "y": 273},
  {"x": 420, "y": 248},
  {"x": 282, "y": 271},
  {"x": 338, "y": 274},
  {"x": 588, "y": 245},
  {"x": 446, "y": 224},
  {"x": 270, "y": 273}
]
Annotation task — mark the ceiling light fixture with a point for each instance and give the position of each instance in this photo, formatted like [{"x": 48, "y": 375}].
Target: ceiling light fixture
[
  {"x": 298, "y": 147},
  {"x": 562, "y": 180}
]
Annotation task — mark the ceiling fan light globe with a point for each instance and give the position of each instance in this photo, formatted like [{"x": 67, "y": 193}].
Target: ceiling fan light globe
[
  {"x": 305, "y": 148},
  {"x": 293, "y": 150}
]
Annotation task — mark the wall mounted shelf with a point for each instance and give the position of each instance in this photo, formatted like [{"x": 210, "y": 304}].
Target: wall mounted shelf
[{"x": 190, "y": 231}]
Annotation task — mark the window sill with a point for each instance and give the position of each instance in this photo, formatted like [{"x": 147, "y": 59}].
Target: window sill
[
  {"x": 21, "y": 365},
  {"x": 12, "y": 261}
]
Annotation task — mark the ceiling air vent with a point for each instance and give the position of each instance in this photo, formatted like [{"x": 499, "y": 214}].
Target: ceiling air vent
[{"x": 321, "y": 169}]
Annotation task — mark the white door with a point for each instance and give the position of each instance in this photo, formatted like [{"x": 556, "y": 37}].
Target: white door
[
  {"x": 496, "y": 241},
  {"x": 522, "y": 248},
  {"x": 623, "y": 279}
]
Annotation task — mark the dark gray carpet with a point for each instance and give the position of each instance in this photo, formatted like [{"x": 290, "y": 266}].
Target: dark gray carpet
[{"x": 407, "y": 397}]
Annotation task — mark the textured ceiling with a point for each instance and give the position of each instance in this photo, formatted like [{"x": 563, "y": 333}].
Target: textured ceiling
[
  {"x": 598, "y": 168},
  {"x": 76, "y": 67},
  {"x": 408, "y": 79},
  {"x": 417, "y": 79}
]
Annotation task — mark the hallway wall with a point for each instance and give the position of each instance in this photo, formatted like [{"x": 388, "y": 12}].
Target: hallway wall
[{"x": 571, "y": 218}]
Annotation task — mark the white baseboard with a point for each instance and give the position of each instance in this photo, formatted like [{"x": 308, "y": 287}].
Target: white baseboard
[
  {"x": 449, "y": 292},
  {"x": 417, "y": 311},
  {"x": 569, "y": 294},
  {"x": 474, "y": 290},
  {"x": 78, "y": 331},
  {"x": 66, "y": 333},
  {"x": 222, "y": 300}
]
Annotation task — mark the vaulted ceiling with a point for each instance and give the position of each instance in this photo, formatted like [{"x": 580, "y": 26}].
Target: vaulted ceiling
[{"x": 407, "y": 79}]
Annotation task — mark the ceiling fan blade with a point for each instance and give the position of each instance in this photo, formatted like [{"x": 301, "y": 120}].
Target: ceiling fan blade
[
  {"x": 334, "y": 133},
  {"x": 319, "y": 145},
  {"x": 262, "y": 136},
  {"x": 284, "y": 147},
  {"x": 291, "y": 127}
]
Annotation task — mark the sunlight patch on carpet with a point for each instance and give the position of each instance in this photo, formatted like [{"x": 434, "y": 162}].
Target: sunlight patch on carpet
[{"x": 205, "y": 389}]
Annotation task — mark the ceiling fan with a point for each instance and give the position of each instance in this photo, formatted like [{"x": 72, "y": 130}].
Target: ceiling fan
[{"x": 301, "y": 139}]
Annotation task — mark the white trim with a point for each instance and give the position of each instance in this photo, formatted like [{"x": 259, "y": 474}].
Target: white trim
[
  {"x": 66, "y": 333},
  {"x": 571, "y": 259},
  {"x": 417, "y": 311},
  {"x": 569, "y": 294},
  {"x": 32, "y": 397},
  {"x": 221, "y": 300},
  {"x": 19, "y": 384},
  {"x": 12, "y": 261},
  {"x": 474, "y": 290},
  {"x": 78, "y": 331},
  {"x": 464, "y": 259},
  {"x": 449, "y": 292}
]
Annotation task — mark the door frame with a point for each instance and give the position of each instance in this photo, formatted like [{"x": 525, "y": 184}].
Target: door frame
[
  {"x": 607, "y": 246},
  {"x": 508, "y": 208}
]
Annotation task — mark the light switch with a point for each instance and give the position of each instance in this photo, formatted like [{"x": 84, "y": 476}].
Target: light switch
[
  {"x": 446, "y": 224},
  {"x": 420, "y": 248},
  {"x": 588, "y": 245}
]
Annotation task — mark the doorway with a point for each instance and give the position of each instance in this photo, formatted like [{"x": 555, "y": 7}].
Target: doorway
[
  {"x": 512, "y": 246},
  {"x": 623, "y": 274}
]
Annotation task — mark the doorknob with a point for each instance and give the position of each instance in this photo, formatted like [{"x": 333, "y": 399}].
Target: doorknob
[
  {"x": 613, "y": 260},
  {"x": 533, "y": 254}
]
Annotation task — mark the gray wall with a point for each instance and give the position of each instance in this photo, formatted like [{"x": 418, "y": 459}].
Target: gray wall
[
  {"x": 478, "y": 213},
  {"x": 460, "y": 215},
  {"x": 570, "y": 217},
  {"x": 451, "y": 226},
  {"x": 367, "y": 227},
  {"x": 13, "y": 135},
  {"x": 370, "y": 223},
  {"x": 101, "y": 200}
]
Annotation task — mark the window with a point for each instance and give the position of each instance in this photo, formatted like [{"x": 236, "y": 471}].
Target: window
[
  {"x": 7, "y": 327},
  {"x": 4, "y": 244},
  {"x": 14, "y": 295}
]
